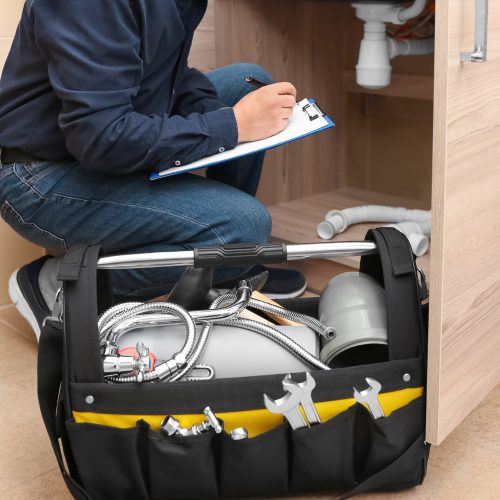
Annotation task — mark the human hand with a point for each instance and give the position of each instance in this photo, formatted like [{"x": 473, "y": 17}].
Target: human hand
[{"x": 265, "y": 112}]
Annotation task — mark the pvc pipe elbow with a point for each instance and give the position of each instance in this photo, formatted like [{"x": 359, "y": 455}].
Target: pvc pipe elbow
[
  {"x": 414, "y": 232},
  {"x": 411, "y": 12},
  {"x": 419, "y": 244},
  {"x": 335, "y": 222}
]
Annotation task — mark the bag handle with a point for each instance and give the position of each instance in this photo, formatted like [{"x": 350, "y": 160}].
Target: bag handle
[
  {"x": 386, "y": 255},
  {"x": 240, "y": 253},
  {"x": 394, "y": 268},
  {"x": 79, "y": 274},
  {"x": 50, "y": 355}
]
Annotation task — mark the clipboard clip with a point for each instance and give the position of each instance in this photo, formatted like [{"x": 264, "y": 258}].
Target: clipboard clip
[{"x": 313, "y": 110}]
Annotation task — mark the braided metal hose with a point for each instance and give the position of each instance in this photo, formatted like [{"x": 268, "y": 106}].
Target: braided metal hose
[
  {"x": 108, "y": 315},
  {"x": 326, "y": 331},
  {"x": 278, "y": 337},
  {"x": 133, "y": 318},
  {"x": 130, "y": 379},
  {"x": 202, "y": 343},
  {"x": 144, "y": 310},
  {"x": 163, "y": 371}
]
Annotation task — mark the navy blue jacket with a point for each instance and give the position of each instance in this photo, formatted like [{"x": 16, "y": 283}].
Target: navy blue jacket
[{"x": 107, "y": 82}]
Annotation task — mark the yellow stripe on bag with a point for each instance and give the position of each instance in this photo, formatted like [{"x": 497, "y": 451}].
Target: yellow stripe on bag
[{"x": 255, "y": 421}]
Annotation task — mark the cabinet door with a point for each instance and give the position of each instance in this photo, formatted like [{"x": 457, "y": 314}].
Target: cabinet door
[{"x": 464, "y": 338}]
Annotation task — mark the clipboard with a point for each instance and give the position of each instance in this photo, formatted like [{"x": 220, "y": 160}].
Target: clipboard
[{"x": 307, "y": 119}]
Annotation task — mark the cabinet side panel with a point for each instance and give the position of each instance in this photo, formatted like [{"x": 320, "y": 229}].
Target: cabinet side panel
[{"x": 464, "y": 343}]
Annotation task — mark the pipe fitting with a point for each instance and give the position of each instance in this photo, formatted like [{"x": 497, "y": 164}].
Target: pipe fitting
[
  {"x": 418, "y": 234},
  {"x": 374, "y": 69}
]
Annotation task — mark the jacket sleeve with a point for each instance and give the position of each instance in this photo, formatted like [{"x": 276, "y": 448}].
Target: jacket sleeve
[
  {"x": 92, "y": 51},
  {"x": 196, "y": 94}
]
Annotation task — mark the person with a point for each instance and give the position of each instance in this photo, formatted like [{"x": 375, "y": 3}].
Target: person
[{"x": 93, "y": 96}]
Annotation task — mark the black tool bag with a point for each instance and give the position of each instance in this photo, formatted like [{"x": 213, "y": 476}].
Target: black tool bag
[{"x": 109, "y": 433}]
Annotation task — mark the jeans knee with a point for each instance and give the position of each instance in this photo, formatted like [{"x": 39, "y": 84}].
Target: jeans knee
[
  {"x": 249, "y": 69},
  {"x": 252, "y": 223},
  {"x": 235, "y": 79},
  {"x": 264, "y": 223}
]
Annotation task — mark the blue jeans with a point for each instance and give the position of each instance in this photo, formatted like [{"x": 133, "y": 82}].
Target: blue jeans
[{"x": 60, "y": 204}]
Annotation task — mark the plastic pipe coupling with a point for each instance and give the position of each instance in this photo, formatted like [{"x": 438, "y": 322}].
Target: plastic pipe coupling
[{"x": 354, "y": 304}]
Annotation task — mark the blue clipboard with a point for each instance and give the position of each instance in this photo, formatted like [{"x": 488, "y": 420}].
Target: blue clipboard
[{"x": 307, "y": 119}]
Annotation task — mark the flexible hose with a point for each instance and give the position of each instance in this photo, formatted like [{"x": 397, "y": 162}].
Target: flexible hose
[
  {"x": 326, "y": 331},
  {"x": 128, "y": 320},
  {"x": 108, "y": 315},
  {"x": 410, "y": 47},
  {"x": 145, "y": 310},
  {"x": 202, "y": 343},
  {"x": 179, "y": 358},
  {"x": 130, "y": 379},
  {"x": 278, "y": 337},
  {"x": 193, "y": 356}
]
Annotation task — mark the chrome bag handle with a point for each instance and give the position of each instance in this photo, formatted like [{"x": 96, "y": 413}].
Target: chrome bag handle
[{"x": 272, "y": 253}]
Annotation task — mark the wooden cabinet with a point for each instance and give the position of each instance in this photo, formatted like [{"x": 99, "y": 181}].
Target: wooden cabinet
[{"x": 430, "y": 139}]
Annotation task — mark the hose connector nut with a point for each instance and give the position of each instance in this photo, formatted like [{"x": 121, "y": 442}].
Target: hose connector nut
[
  {"x": 214, "y": 422},
  {"x": 109, "y": 348},
  {"x": 170, "y": 425},
  {"x": 180, "y": 360}
]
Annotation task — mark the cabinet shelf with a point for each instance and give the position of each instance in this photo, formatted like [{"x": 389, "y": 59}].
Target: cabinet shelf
[{"x": 412, "y": 86}]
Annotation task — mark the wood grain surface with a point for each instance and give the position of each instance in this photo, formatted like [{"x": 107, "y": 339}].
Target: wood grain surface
[
  {"x": 296, "y": 221},
  {"x": 295, "y": 42},
  {"x": 464, "y": 339},
  {"x": 315, "y": 45}
]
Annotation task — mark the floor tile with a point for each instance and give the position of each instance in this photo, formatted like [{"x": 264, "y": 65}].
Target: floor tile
[{"x": 12, "y": 318}]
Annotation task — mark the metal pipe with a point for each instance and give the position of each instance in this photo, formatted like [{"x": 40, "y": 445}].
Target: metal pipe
[
  {"x": 331, "y": 250},
  {"x": 186, "y": 258},
  {"x": 146, "y": 260}
]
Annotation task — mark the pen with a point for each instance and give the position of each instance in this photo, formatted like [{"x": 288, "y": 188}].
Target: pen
[{"x": 255, "y": 81}]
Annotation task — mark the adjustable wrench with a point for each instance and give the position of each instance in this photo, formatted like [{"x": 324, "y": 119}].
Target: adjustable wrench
[
  {"x": 304, "y": 389},
  {"x": 370, "y": 397},
  {"x": 289, "y": 406}
]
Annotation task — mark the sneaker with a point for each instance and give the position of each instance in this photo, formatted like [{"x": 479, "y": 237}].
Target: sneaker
[
  {"x": 25, "y": 294},
  {"x": 280, "y": 284}
]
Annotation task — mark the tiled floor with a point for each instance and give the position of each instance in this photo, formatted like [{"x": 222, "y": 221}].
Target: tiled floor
[{"x": 465, "y": 466}]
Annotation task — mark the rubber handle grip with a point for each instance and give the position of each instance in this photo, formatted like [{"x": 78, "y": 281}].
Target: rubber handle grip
[{"x": 240, "y": 253}]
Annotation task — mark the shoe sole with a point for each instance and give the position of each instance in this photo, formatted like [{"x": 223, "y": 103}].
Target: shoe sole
[
  {"x": 290, "y": 295},
  {"x": 22, "y": 306}
]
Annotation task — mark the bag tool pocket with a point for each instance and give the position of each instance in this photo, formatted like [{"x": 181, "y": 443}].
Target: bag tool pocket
[
  {"x": 382, "y": 441},
  {"x": 109, "y": 460},
  {"x": 182, "y": 466},
  {"x": 254, "y": 466},
  {"x": 322, "y": 455}
]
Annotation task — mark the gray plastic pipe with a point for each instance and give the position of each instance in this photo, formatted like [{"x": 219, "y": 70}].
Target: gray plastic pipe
[
  {"x": 410, "y": 47},
  {"x": 418, "y": 234},
  {"x": 415, "y": 224}
]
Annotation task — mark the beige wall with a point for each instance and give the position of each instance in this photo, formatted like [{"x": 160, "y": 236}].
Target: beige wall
[{"x": 14, "y": 251}]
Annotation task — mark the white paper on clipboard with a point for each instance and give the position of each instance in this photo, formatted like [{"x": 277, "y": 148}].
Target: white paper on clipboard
[{"x": 307, "y": 119}]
